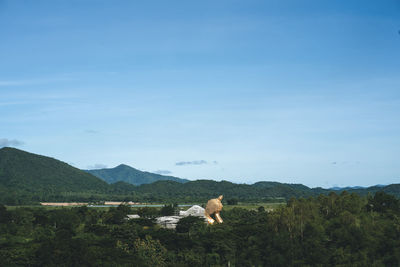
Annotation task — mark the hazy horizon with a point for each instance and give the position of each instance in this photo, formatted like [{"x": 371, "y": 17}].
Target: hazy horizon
[{"x": 296, "y": 92}]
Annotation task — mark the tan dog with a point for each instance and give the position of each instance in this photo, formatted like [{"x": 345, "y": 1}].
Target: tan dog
[{"x": 214, "y": 206}]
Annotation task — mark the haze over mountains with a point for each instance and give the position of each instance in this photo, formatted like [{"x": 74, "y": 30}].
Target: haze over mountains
[{"x": 27, "y": 178}]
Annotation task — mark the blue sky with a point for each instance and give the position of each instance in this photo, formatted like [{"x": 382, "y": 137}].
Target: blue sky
[{"x": 290, "y": 91}]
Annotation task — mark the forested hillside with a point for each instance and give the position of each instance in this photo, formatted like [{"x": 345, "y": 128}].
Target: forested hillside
[
  {"x": 125, "y": 173},
  {"x": 26, "y": 178}
]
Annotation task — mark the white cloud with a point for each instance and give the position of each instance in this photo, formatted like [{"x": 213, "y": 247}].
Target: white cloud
[
  {"x": 7, "y": 142},
  {"x": 97, "y": 166},
  {"x": 162, "y": 172},
  {"x": 193, "y": 162}
]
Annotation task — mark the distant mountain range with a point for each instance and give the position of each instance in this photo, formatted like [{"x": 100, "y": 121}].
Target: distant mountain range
[
  {"x": 27, "y": 178},
  {"x": 352, "y": 187},
  {"x": 125, "y": 173}
]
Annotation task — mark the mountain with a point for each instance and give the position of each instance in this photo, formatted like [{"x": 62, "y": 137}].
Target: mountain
[
  {"x": 24, "y": 175},
  {"x": 27, "y": 178},
  {"x": 337, "y": 188},
  {"x": 393, "y": 189},
  {"x": 131, "y": 175}
]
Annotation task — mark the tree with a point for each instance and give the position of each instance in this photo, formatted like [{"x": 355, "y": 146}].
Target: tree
[
  {"x": 147, "y": 212},
  {"x": 232, "y": 201},
  {"x": 124, "y": 209},
  {"x": 114, "y": 216},
  {"x": 167, "y": 210},
  {"x": 382, "y": 202},
  {"x": 150, "y": 252},
  {"x": 185, "y": 224},
  {"x": 4, "y": 214}
]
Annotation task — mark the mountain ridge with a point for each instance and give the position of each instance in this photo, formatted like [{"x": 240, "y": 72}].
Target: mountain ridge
[
  {"x": 27, "y": 178},
  {"x": 37, "y": 165},
  {"x": 128, "y": 174},
  {"x": 24, "y": 175}
]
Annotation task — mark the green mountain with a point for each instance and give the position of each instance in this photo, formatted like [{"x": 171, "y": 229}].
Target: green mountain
[
  {"x": 26, "y": 177},
  {"x": 131, "y": 175}
]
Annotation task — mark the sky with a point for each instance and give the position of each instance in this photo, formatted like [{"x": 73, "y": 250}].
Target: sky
[{"x": 289, "y": 91}]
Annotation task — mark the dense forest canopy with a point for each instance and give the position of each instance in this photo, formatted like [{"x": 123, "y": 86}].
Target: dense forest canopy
[{"x": 328, "y": 230}]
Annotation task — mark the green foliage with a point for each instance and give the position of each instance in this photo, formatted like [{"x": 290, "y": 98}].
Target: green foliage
[
  {"x": 330, "y": 230},
  {"x": 167, "y": 210},
  {"x": 382, "y": 202},
  {"x": 232, "y": 201},
  {"x": 150, "y": 252},
  {"x": 261, "y": 209},
  {"x": 148, "y": 212},
  {"x": 5, "y": 216},
  {"x": 186, "y": 224}
]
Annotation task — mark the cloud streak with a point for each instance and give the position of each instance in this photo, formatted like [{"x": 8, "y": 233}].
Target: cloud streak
[
  {"x": 34, "y": 81},
  {"x": 7, "y": 142},
  {"x": 97, "y": 166},
  {"x": 162, "y": 172},
  {"x": 194, "y": 162}
]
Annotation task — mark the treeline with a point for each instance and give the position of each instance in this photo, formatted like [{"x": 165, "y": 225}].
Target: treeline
[
  {"x": 161, "y": 191},
  {"x": 174, "y": 192},
  {"x": 202, "y": 190},
  {"x": 327, "y": 230}
]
